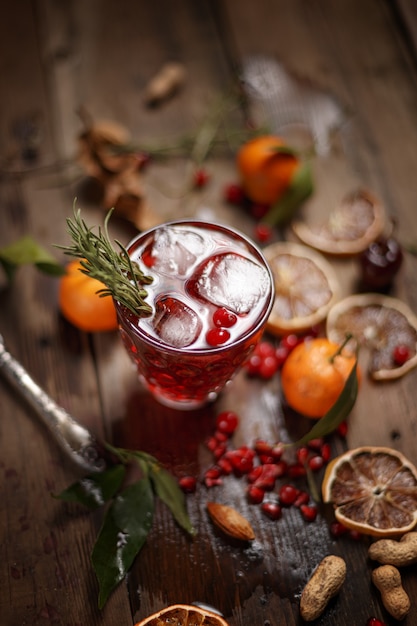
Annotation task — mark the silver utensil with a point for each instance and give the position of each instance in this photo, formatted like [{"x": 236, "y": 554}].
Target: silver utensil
[{"x": 78, "y": 443}]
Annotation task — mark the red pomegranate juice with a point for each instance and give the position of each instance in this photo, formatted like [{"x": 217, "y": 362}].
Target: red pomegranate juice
[{"x": 211, "y": 294}]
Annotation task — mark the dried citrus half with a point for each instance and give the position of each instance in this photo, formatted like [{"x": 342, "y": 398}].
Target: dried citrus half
[
  {"x": 373, "y": 490},
  {"x": 184, "y": 615},
  {"x": 381, "y": 324},
  {"x": 306, "y": 287},
  {"x": 349, "y": 229}
]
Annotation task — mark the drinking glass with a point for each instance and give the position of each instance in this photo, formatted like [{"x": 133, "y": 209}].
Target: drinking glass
[{"x": 211, "y": 295}]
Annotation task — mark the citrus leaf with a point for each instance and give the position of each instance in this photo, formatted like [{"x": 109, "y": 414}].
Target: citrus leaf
[
  {"x": 26, "y": 251},
  {"x": 124, "y": 531},
  {"x": 338, "y": 413},
  {"x": 94, "y": 490},
  {"x": 167, "y": 488},
  {"x": 300, "y": 188}
]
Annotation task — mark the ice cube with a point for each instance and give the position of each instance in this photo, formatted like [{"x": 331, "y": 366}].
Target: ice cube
[
  {"x": 176, "y": 323},
  {"x": 232, "y": 281},
  {"x": 175, "y": 249}
]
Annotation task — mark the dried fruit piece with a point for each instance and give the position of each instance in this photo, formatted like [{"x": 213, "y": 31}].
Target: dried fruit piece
[
  {"x": 380, "y": 324},
  {"x": 230, "y": 521},
  {"x": 184, "y": 615},
  {"x": 350, "y": 228}
]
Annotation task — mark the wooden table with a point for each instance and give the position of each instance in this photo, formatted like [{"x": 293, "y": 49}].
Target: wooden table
[{"x": 357, "y": 63}]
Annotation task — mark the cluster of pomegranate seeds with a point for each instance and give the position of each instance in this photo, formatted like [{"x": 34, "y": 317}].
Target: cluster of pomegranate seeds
[{"x": 222, "y": 320}]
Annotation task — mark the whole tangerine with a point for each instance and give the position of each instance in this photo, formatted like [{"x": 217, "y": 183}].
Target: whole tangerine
[
  {"x": 266, "y": 166},
  {"x": 80, "y": 303},
  {"x": 314, "y": 375}
]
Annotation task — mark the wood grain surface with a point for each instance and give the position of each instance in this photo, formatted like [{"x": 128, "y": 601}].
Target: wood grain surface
[{"x": 354, "y": 64}]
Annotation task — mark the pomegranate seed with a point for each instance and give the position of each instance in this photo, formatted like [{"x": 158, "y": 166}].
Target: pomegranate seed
[
  {"x": 253, "y": 364},
  {"x": 262, "y": 447},
  {"x": 316, "y": 444},
  {"x": 200, "y": 178},
  {"x": 255, "y": 494},
  {"x": 342, "y": 429},
  {"x": 259, "y": 210},
  {"x": 309, "y": 512},
  {"x": 302, "y": 454},
  {"x": 263, "y": 232},
  {"x": 355, "y": 535},
  {"x": 281, "y": 354},
  {"x": 290, "y": 341},
  {"x": 337, "y": 529},
  {"x": 268, "y": 367},
  {"x": 225, "y": 466},
  {"x": 271, "y": 510},
  {"x": 266, "y": 459},
  {"x": 374, "y": 621},
  {"x": 234, "y": 194},
  {"x": 219, "y": 451},
  {"x": 316, "y": 463},
  {"x": 277, "y": 451},
  {"x": 227, "y": 422},
  {"x": 288, "y": 494},
  {"x": 264, "y": 349},
  {"x": 281, "y": 469},
  {"x": 213, "y": 472},
  {"x": 217, "y": 336},
  {"x": 224, "y": 318},
  {"x": 401, "y": 354},
  {"x": 296, "y": 470},
  {"x": 212, "y": 482},
  {"x": 212, "y": 443},
  {"x": 241, "y": 464},
  {"x": 302, "y": 498},
  {"x": 221, "y": 437},
  {"x": 188, "y": 484},
  {"x": 254, "y": 474},
  {"x": 326, "y": 452},
  {"x": 265, "y": 479}
]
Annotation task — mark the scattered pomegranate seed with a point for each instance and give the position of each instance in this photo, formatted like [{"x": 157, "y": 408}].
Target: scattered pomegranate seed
[
  {"x": 263, "y": 232},
  {"x": 337, "y": 529},
  {"x": 342, "y": 430},
  {"x": 281, "y": 354},
  {"x": 326, "y": 452},
  {"x": 217, "y": 336},
  {"x": 201, "y": 178},
  {"x": 355, "y": 535},
  {"x": 374, "y": 621},
  {"x": 224, "y": 318},
  {"x": 271, "y": 510},
  {"x": 296, "y": 470},
  {"x": 268, "y": 367},
  {"x": 316, "y": 463},
  {"x": 225, "y": 466},
  {"x": 287, "y": 494},
  {"x": 302, "y": 498},
  {"x": 309, "y": 512},
  {"x": 219, "y": 451},
  {"x": 255, "y": 494},
  {"x": 262, "y": 447},
  {"x": 290, "y": 341},
  {"x": 302, "y": 454},
  {"x": 401, "y": 354},
  {"x": 259, "y": 210},
  {"x": 253, "y": 364},
  {"x": 227, "y": 422},
  {"x": 316, "y": 444},
  {"x": 188, "y": 484},
  {"x": 234, "y": 194}
]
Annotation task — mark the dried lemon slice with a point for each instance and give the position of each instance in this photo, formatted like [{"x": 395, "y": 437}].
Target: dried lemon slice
[
  {"x": 306, "y": 287},
  {"x": 349, "y": 229},
  {"x": 373, "y": 490},
  {"x": 184, "y": 615},
  {"x": 381, "y": 324}
]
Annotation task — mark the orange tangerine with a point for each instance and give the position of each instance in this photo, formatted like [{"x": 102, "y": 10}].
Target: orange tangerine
[
  {"x": 306, "y": 287},
  {"x": 266, "y": 166},
  {"x": 184, "y": 615},
  {"x": 314, "y": 375},
  {"x": 80, "y": 304},
  {"x": 349, "y": 229},
  {"x": 373, "y": 490}
]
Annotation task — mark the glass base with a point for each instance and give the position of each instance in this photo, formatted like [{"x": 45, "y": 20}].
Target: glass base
[{"x": 189, "y": 404}]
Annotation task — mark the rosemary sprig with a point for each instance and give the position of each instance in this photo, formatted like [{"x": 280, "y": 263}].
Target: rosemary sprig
[{"x": 122, "y": 277}]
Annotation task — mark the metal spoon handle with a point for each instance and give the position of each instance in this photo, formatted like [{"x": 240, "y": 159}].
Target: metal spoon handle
[{"x": 74, "y": 439}]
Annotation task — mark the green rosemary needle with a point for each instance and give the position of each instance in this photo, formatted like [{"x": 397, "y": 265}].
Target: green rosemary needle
[{"x": 122, "y": 277}]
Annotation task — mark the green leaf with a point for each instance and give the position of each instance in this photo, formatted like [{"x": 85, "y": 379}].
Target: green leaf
[
  {"x": 300, "y": 188},
  {"x": 26, "y": 251},
  {"x": 167, "y": 488},
  {"x": 124, "y": 531},
  {"x": 338, "y": 413},
  {"x": 94, "y": 490}
]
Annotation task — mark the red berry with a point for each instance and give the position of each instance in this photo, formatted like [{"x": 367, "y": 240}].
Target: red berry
[
  {"x": 201, "y": 178},
  {"x": 255, "y": 494},
  {"x": 401, "y": 354},
  {"x": 224, "y": 318},
  {"x": 309, "y": 512},
  {"x": 227, "y": 422},
  {"x": 188, "y": 484},
  {"x": 234, "y": 194},
  {"x": 271, "y": 510},
  {"x": 217, "y": 336},
  {"x": 288, "y": 494}
]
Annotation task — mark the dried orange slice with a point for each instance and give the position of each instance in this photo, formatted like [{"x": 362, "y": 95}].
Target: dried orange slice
[
  {"x": 184, "y": 615},
  {"x": 373, "y": 490},
  {"x": 349, "y": 229},
  {"x": 306, "y": 287},
  {"x": 381, "y": 324}
]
